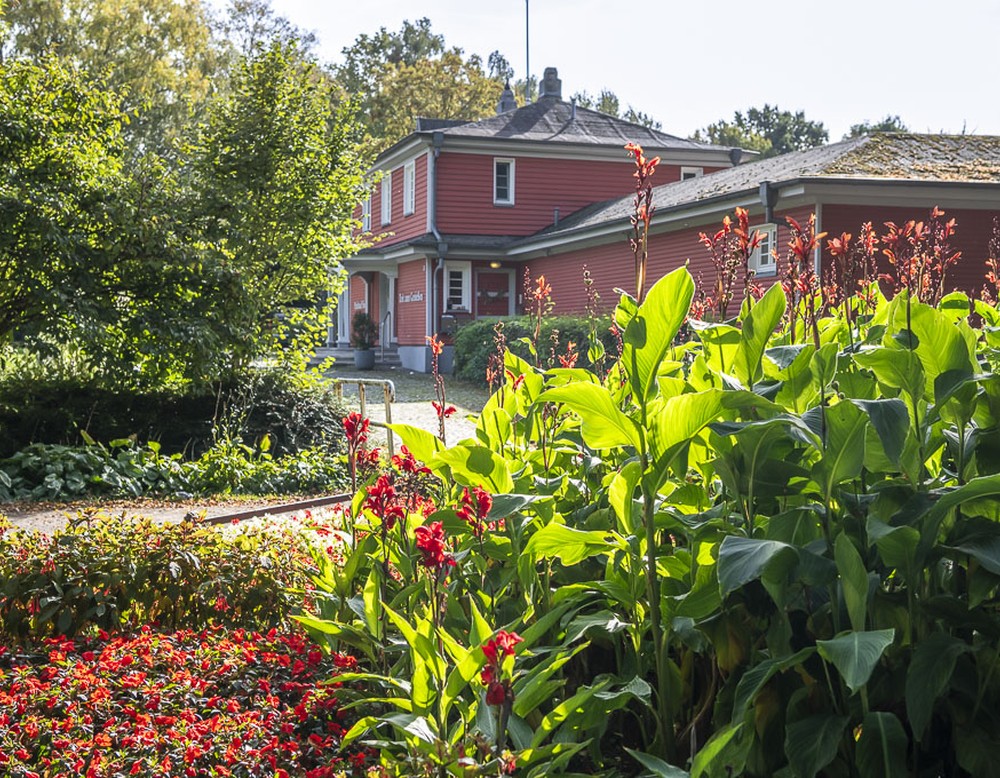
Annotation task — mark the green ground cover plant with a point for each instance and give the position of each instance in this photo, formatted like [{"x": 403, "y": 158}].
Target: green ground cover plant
[{"x": 762, "y": 545}]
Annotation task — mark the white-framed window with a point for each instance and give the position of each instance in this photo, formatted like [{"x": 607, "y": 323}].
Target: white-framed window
[
  {"x": 503, "y": 181},
  {"x": 762, "y": 259},
  {"x": 409, "y": 187},
  {"x": 458, "y": 286},
  {"x": 387, "y": 198},
  {"x": 691, "y": 172},
  {"x": 366, "y": 214}
]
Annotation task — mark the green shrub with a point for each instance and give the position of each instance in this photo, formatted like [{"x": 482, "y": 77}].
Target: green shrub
[
  {"x": 53, "y": 472},
  {"x": 295, "y": 411},
  {"x": 474, "y": 342},
  {"x": 120, "y": 573}
]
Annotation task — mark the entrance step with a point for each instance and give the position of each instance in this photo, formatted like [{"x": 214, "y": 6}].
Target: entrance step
[{"x": 388, "y": 357}]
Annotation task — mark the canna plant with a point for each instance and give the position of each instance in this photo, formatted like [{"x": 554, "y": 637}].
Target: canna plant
[{"x": 765, "y": 546}]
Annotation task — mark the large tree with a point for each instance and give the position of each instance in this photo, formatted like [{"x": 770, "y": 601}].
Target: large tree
[
  {"x": 61, "y": 152},
  {"x": 768, "y": 130},
  {"x": 275, "y": 172},
  {"x": 394, "y": 77},
  {"x": 159, "y": 54}
]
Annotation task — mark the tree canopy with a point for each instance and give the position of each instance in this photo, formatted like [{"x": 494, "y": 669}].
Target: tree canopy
[
  {"x": 768, "y": 130},
  {"x": 160, "y": 55},
  {"x": 607, "y": 102},
  {"x": 394, "y": 77},
  {"x": 888, "y": 124}
]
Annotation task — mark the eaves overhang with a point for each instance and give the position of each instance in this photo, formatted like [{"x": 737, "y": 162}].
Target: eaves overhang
[{"x": 791, "y": 193}]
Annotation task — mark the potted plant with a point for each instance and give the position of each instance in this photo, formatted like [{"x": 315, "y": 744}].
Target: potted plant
[{"x": 364, "y": 333}]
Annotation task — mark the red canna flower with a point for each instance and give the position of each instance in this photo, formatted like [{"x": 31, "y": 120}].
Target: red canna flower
[{"x": 431, "y": 544}]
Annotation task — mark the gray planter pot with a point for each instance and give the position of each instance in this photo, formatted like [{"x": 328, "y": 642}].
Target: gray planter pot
[{"x": 364, "y": 359}]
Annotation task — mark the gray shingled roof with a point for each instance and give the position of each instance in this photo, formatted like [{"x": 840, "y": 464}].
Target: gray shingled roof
[
  {"x": 551, "y": 120},
  {"x": 887, "y": 156}
]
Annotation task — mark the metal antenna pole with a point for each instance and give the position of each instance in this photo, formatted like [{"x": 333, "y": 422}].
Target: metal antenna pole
[{"x": 527, "y": 57}]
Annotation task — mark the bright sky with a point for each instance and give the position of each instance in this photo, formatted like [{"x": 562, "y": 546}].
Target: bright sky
[{"x": 688, "y": 64}]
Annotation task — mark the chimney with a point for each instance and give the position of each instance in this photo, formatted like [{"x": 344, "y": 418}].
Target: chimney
[
  {"x": 551, "y": 85},
  {"x": 507, "y": 101}
]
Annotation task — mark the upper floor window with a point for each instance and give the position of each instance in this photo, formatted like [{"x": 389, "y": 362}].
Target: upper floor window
[
  {"x": 691, "y": 172},
  {"x": 503, "y": 182},
  {"x": 409, "y": 187},
  {"x": 387, "y": 198},
  {"x": 762, "y": 259},
  {"x": 366, "y": 214}
]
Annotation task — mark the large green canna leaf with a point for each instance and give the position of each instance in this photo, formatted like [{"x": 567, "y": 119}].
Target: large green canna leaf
[
  {"x": 476, "y": 466},
  {"x": 811, "y": 743},
  {"x": 756, "y": 677},
  {"x": 844, "y": 453},
  {"x": 678, "y": 419},
  {"x": 657, "y": 767},
  {"x": 855, "y": 654},
  {"x": 603, "y": 423},
  {"x": 571, "y": 546},
  {"x": 720, "y": 345},
  {"x": 881, "y": 749},
  {"x": 928, "y": 676},
  {"x": 896, "y": 368},
  {"x": 649, "y": 334},
  {"x": 891, "y": 421},
  {"x": 724, "y": 755},
  {"x": 853, "y": 580},
  {"x": 940, "y": 345},
  {"x": 422, "y": 444},
  {"x": 977, "y": 488},
  {"x": 757, "y": 328},
  {"x": 742, "y": 560}
]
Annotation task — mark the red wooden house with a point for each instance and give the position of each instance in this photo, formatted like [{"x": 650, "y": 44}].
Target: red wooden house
[
  {"x": 454, "y": 197},
  {"x": 465, "y": 208}
]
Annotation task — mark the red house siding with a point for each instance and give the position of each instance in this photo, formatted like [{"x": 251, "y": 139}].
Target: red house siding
[
  {"x": 359, "y": 295},
  {"x": 612, "y": 265},
  {"x": 465, "y": 192},
  {"x": 973, "y": 231},
  {"x": 411, "y": 315},
  {"x": 402, "y": 227}
]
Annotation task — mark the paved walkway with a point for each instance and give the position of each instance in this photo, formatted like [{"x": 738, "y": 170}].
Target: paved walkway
[{"x": 48, "y": 517}]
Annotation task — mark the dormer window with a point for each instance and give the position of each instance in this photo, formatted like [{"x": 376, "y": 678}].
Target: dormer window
[
  {"x": 387, "y": 198},
  {"x": 503, "y": 182}
]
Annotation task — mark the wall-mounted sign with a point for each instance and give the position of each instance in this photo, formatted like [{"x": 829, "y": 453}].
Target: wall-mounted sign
[
  {"x": 411, "y": 297},
  {"x": 360, "y": 305}
]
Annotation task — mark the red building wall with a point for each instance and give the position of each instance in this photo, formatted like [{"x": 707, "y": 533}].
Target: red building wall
[
  {"x": 465, "y": 191},
  {"x": 612, "y": 265},
  {"x": 401, "y": 227},
  {"x": 411, "y": 313},
  {"x": 973, "y": 231}
]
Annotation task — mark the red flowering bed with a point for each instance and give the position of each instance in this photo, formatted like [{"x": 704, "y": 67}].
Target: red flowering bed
[{"x": 206, "y": 703}]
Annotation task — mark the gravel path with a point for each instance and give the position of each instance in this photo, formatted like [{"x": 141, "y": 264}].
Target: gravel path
[{"x": 410, "y": 408}]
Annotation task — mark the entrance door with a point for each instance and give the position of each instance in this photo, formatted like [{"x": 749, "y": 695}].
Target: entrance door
[{"x": 494, "y": 293}]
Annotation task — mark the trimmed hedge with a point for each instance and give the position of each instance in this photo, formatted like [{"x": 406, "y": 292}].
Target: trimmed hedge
[
  {"x": 295, "y": 412},
  {"x": 474, "y": 342}
]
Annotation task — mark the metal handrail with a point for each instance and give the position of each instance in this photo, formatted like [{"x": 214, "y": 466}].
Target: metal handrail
[
  {"x": 383, "y": 337},
  {"x": 388, "y": 396}
]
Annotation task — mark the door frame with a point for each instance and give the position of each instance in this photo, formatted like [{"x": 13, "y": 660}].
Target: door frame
[{"x": 511, "y": 287}]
